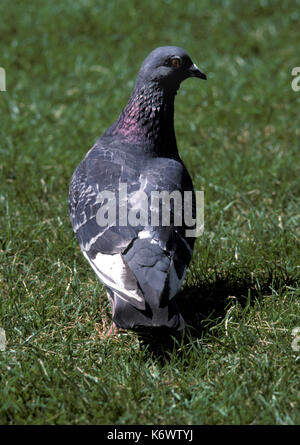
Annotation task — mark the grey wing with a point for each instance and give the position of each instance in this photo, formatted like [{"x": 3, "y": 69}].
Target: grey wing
[
  {"x": 96, "y": 174},
  {"x": 102, "y": 245},
  {"x": 132, "y": 261}
]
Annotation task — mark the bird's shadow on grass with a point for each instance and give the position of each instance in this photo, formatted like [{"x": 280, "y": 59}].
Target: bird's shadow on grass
[
  {"x": 205, "y": 305},
  {"x": 208, "y": 302}
]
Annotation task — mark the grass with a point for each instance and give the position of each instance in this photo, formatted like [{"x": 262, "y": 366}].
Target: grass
[{"x": 70, "y": 68}]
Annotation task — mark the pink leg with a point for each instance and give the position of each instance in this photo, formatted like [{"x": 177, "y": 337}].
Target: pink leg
[{"x": 113, "y": 330}]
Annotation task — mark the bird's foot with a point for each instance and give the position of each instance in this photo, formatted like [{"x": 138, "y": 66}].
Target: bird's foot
[{"x": 113, "y": 330}]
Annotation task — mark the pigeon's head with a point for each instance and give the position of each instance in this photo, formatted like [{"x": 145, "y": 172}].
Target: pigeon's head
[{"x": 168, "y": 66}]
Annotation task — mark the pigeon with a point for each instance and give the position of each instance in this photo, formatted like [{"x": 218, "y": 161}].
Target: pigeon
[{"x": 115, "y": 193}]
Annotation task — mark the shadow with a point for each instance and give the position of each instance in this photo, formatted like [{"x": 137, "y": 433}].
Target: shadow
[
  {"x": 205, "y": 305},
  {"x": 159, "y": 342}
]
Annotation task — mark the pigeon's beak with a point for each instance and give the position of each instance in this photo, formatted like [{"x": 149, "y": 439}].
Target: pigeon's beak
[{"x": 195, "y": 72}]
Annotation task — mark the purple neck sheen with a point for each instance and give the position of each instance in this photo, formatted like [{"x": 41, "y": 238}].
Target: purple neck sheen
[{"x": 148, "y": 118}]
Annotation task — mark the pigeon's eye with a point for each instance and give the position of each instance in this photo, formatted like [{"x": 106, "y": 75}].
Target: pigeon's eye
[{"x": 176, "y": 61}]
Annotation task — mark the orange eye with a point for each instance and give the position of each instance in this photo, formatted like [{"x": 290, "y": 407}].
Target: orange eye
[{"x": 176, "y": 62}]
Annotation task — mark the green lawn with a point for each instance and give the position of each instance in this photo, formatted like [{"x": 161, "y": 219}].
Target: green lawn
[{"x": 70, "y": 68}]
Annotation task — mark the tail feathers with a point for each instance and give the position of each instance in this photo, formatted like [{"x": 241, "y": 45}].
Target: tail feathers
[
  {"x": 126, "y": 316},
  {"x": 152, "y": 268}
]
